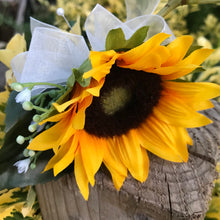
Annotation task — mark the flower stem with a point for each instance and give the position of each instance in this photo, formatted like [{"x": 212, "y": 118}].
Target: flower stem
[
  {"x": 40, "y": 109},
  {"x": 190, "y": 2},
  {"x": 172, "y": 4},
  {"x": 36, "y": 156}
]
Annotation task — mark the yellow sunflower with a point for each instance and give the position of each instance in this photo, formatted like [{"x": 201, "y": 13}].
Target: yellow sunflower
[{"x": 131, "y": 105}]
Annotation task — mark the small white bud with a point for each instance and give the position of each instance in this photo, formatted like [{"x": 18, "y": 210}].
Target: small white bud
[
  {"x": 20, "y": 139},
  {"x": 28, "y": 106},
  {"x": 36, "y": 118},
  {"x": 17, "y": 87},
  {"x": 33, "y": 166},
  {"x": 32, "y": 127},
  {"x": 60, "y": 12},
  {"x": 25, "y": 152},
  {"x": 23, "y": 96},
  {"x": 23, "y": 165},
  {"x": 31, "y": 153}
]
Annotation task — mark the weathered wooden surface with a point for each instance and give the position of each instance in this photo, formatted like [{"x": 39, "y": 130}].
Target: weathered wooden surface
[{"x": 172, "y": 191}]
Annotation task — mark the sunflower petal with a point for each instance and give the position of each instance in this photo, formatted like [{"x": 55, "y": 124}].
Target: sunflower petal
[
  {"x": 59, "y": 155},
  {"x": 50, "y": 138},
  {"x": 99, "y": 58},
  {"x": 92, "y": 150},
  {"x": 149, "y": 61},
  {"x": 174, "y": 111},
  {"x": 99, "y": 72},
  {"x": 178, "y": 49},
  {"x": 67, "y": 133},
  {"x": 133, "y": 156},
  {"x": 185, "y": 66},
  {"x": 79, "y": 94},
  {"x": 61, "y": 108},
  {"x": 174, "y": 72},
  {"x": 112, "y": 158},
  {"x": 196, "y": 95},
  {"x": 199, "y": 106},
  {"x": 81, "y": 176},
  {"x": 166, "y": 141},
  {"x": 58, "y": 116},
  {"x": 114, "y": 164},
  {"x": 68, "y": 157},
  {"x": 197, "y": 57},
  {"x": 95, "y": 90},
  {"x": 117, "y": 178},
  {"x": 144, "y": 49},
  {"x": 78, "y": 120}
]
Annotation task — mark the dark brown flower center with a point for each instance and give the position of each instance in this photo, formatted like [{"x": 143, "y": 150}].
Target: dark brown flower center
[{"x": 126, "y": 100}]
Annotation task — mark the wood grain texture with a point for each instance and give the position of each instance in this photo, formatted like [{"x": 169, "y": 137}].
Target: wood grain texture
[{"x": 172, "y": 190}]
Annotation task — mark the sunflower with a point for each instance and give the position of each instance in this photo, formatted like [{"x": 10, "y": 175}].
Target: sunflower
[{"x": 132, "y": 104}]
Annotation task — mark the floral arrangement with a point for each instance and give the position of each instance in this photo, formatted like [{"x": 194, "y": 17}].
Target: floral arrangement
[{"x": 109, "y": 105}]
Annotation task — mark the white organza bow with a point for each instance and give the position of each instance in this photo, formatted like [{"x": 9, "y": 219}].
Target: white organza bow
[
  {"x": 51, "y": 56},
  {"x": 139, "y": 14},
  {"x": 53, "y": 53}
]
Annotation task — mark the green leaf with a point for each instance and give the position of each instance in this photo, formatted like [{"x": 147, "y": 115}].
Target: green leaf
[
  {"x": 71, "y": 81},
  {"x": 78, "y": 73},
  {"x": 191, "y": 49},
  {"x": 79, "y": 78},
  {"x": 17, "y": 122},
  {"x": 116, "y": 39},
  {"x": 137, "y": 38},
  {"x": 14, "y": 112},
  {"x": 86, "y": 66}
]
